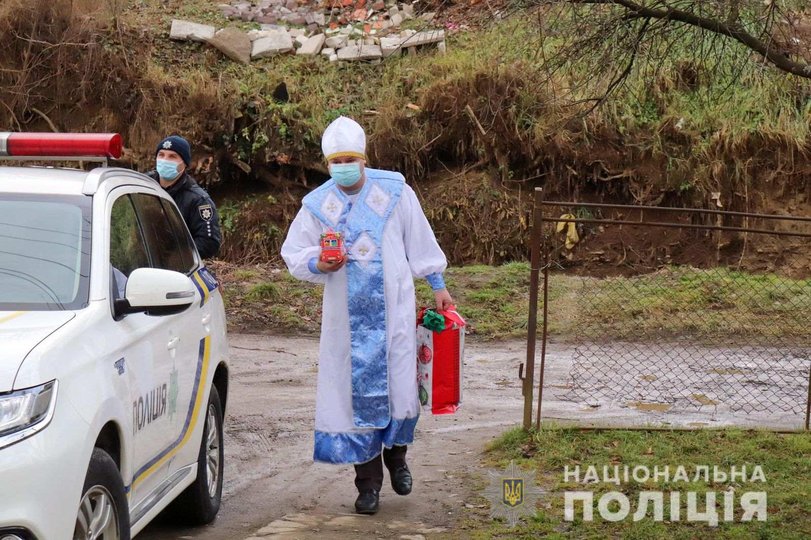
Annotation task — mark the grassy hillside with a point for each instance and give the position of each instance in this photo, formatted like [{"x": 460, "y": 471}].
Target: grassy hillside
[
  {"x": 719, "y": 105},
  {"x": 696, "y": 130}
]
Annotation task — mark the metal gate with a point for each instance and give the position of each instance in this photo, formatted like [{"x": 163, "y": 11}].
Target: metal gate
[{"x": 660, "y": 341}]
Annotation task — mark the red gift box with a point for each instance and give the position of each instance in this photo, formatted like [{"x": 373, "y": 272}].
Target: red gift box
[
  {"x": 439, "y": 363},
  {"x": 332, "y": 246}
]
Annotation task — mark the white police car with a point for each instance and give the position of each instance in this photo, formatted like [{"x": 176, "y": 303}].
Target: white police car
[{"x": 113, "y": 373}]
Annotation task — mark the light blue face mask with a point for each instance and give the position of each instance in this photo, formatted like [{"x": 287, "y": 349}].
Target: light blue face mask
[
  {"x": 167, "y": 169},
  {"x": 345, "y": 174}
]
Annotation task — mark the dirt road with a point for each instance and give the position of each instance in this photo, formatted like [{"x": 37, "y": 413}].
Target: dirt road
[
  {"x": 273, "y": 488},
  {"x": 270, "y": 473}
]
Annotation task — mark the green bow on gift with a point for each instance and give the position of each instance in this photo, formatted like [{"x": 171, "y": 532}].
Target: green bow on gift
[{"x": 433, "y": 321}]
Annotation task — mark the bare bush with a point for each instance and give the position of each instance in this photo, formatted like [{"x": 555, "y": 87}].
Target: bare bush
[
  {"x": 609, "y": 39},
  {"x": 68, "y": 65}
]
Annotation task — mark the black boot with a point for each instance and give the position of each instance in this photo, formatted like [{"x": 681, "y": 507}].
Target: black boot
[
  {"x": 369, "y": 480},
  {"x": 368, "y": 502},
  {"x": 401, "y": 481}
]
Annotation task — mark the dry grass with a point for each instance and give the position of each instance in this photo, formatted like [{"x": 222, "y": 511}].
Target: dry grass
[{"x": 73, "y": 66}]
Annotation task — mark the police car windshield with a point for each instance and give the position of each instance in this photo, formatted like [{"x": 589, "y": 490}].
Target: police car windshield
[{"x": 44, "y": 252}]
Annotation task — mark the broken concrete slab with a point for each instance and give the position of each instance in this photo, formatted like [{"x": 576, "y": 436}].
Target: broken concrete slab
[
  {"x": 327, "y": 51},
  {"x": 336, "y": 42},
  {"x": 312, "y": 45},
  {"x": 190, "y": 31},
  {"x": 253, "y": 35},
  {"x": 410, "y": 39},
  {"x": 390, "y": 45},
  {"x": 360, "y": 52},
  {"x": 233, "y": 43},
  {"x": 276, "y": 43},
  {"x": 397, "y": 19},
  {"x": 426, "y": 37}
]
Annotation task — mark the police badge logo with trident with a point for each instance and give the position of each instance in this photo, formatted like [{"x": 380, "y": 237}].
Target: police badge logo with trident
[{"x": 512, "y": 494}]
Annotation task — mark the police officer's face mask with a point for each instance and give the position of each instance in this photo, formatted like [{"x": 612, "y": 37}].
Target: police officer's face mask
[
  {"x": 345, "y": 174},
  {"x": 168, "y": 170}
]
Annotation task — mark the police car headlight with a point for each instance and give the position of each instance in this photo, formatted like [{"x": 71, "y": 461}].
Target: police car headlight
[{"x": 25, "y": 412}]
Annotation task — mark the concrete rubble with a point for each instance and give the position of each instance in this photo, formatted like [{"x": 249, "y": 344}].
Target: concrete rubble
[
  {"x": 313, "y": 45},
  {"x": 346, "y": 30},
  {"x": 185, "y": 30},
  {"x": 273, "y": 42},
  {"x": 360, "y": 51},
  {"x": 234, "y": 43}
]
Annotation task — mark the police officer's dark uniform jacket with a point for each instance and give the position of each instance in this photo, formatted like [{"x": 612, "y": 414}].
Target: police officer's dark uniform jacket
[{"x": 198, "y": 212}]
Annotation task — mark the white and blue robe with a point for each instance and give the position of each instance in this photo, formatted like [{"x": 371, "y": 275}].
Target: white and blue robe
[{"x": 367, "y": 372}]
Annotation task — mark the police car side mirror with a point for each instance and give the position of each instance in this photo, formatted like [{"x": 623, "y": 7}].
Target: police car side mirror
[{"x": 156, "y": 292}]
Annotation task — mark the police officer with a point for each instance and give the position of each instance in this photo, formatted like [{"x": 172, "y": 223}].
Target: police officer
[{"x": 173, "y": 156}]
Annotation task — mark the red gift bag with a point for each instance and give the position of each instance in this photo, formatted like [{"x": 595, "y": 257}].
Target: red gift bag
[{"x": 439, "y": 363}]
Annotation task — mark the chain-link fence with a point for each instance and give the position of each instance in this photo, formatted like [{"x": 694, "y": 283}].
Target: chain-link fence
[{"x": 670, "y": 317}]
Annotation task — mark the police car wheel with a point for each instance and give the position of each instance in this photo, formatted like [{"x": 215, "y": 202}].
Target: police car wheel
[
  {"x": 103, "y": 513},
  {"x": 200, "y": 502}
]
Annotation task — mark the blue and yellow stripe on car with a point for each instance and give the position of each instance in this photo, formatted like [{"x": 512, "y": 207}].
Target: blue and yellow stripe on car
[
  {"x": 206, "y": 283},
  {"x": 195, "y": 404}
]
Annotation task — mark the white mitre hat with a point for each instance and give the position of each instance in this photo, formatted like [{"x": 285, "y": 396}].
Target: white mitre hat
[{"x": 344, "y": 138}]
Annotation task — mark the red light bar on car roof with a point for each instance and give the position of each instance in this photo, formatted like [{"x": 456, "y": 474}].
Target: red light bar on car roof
[{"x": 67, "y": 145}]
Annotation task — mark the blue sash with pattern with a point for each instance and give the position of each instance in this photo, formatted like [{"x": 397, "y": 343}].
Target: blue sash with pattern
[{"x": 362, "y": 224}]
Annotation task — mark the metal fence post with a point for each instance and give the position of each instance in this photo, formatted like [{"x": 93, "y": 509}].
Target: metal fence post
[
  {"x": 532, "y": 323},
  {"x": 544, "y": 333},
  {"x": 808, "y": 403}
]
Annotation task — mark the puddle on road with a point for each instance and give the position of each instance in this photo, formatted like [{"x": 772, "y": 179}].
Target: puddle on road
[{"x": 651, "y": 407}]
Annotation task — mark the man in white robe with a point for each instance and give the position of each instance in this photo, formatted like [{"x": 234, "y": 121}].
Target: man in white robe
[{"x": 367, "y": 399}]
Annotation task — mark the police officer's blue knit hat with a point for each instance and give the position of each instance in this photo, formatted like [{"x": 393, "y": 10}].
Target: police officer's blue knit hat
[{"x": 177, "y": 144}]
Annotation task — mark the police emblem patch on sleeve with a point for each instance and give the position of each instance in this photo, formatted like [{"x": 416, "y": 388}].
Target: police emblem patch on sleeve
[{"x": 205, "y": 212}]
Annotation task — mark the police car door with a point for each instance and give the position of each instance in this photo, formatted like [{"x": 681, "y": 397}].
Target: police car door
[
  {"x": 140, "y": 346},
  {"x": 165, "y": 439}
]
